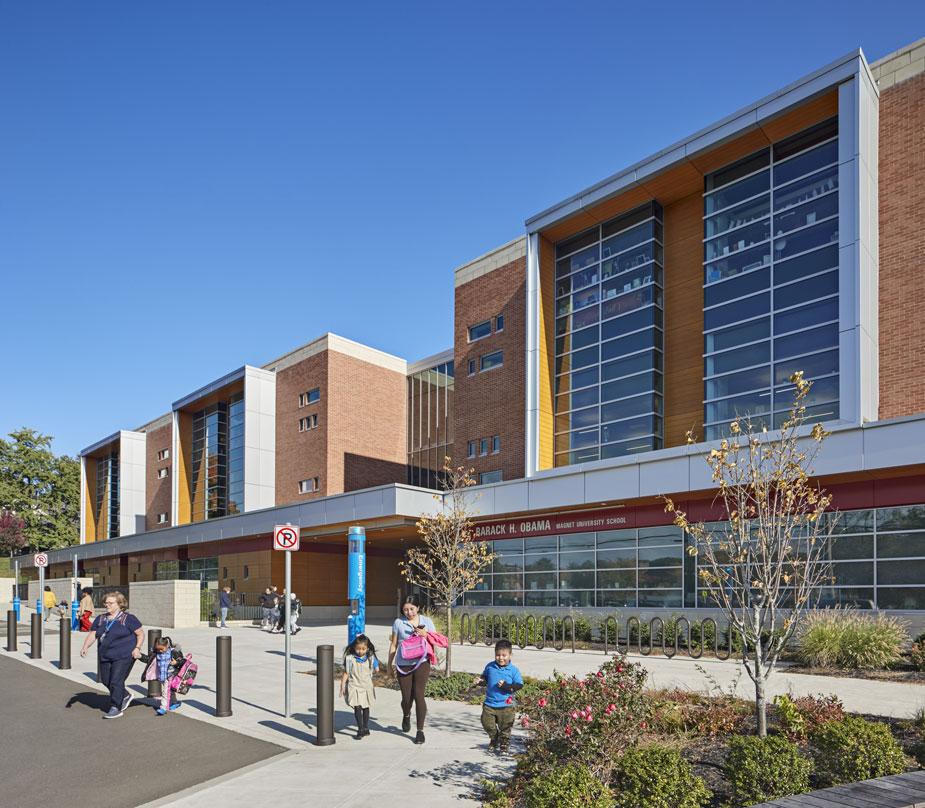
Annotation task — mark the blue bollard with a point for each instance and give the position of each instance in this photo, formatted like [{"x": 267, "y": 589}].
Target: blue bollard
[
  {"x": 16, "y": 607},
  {"x": 75, "y": 616},
  {"x": 38, "y": 605}
]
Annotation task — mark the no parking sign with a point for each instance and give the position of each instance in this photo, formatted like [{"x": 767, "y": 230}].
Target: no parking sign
[
  {"x": 285, "y": 537},
  {"x": 40, "y": 560}
]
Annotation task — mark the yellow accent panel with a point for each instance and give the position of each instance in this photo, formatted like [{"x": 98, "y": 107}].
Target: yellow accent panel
[
  {"x": 89, "y": 495},
  {"x": 547, "y": 342},
  {"x": 183, "y": 465}
]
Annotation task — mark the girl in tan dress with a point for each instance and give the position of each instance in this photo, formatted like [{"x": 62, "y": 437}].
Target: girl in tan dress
[{"x": 356, "y": 685}]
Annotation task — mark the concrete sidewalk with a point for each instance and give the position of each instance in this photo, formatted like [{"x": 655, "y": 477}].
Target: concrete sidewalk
[{"x": 442, "y": 771}]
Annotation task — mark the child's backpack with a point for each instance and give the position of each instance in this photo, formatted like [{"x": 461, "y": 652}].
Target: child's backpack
[{"x": 183, "y": 679}]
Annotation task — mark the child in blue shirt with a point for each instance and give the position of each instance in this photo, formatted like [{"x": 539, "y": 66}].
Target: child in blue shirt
[{"x": 501, "y": 679}]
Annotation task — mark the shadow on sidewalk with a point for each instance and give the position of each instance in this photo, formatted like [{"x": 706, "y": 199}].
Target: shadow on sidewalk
[
  {"x": 93, "y": 699},
  {"x": 467, "y": 777},
  {"x": 292, "y": 732}
]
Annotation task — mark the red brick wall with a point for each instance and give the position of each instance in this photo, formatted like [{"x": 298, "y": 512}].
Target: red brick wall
[
  {"x": 301, "y": 455},
  {"x": 368, "y": 434},
  {"x": 492, "y": 402},
  {"x": 902, "y": 248},
  {"x": 158, "y": 492}
]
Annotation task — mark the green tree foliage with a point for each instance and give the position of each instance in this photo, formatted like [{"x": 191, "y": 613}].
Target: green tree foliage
[{"x": 41, "y": 489}]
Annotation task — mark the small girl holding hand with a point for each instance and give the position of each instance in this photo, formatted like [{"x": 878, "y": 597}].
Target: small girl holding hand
[{"x": 356, "y": 685}]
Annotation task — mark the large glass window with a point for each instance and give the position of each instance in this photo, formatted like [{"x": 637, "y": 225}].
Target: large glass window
[
  {"x": 430, "y": 423},
  {"x": 609, "y": 338},
  {"x": 217, "y": 460},
  {"x": 876, "y": 558},
  {"x": 770, "y": 270},
  {"x": 107, "y": 496}
]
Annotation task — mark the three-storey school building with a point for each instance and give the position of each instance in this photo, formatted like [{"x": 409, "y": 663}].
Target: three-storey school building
[{"x": 669, "y": 297}]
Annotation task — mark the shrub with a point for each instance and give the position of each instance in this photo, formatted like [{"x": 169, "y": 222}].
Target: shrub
[
  {"x": 572, "y": 786},
  {"x": 535, "y": 689},
  {"x": 762, "y": 769},
  {"x": 494, "y": 795},
  {"x": 455, "y": 686},
  {"x": 846, "y": 638},
  {"x": 854, "y": 749},
  {"x": 658, "y": 777},
  {"x": 684, "y": 711},
  {"x": 917, "y": 653},
  {"x": 801, "y": 717},
  {"x": 589, "y": 720}
]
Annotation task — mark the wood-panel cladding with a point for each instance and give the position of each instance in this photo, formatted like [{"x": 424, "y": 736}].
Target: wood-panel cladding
[
  {"x": 183, "y": 466},
  {"x": 90, "y": 526},
  {"x": 547, "y": 352},
  {"x": 683, "y": 222}
]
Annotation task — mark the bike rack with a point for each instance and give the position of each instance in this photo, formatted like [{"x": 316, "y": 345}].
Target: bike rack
[
  {"x": 465, "y": 627},
  {"x": 571, "y": 622},
  {"x": 605, "y": 632}
]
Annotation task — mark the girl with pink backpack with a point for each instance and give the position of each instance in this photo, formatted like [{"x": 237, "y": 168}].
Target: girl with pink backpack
[{"x": 411, "y": 655}]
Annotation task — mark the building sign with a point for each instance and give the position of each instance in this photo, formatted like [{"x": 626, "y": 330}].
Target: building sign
[{"x": 551, "y": 524}]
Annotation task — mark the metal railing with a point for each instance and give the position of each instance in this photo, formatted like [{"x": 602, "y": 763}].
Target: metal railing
[
  {"x": 240, "y": 609},
  {"x": 669, "y": 637}
]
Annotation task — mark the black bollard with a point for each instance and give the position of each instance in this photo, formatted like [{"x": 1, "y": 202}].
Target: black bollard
[
  {"x": 64, "y": 645},
  {"x": 154, "y": 686},
  {"x": 325, "y": 685},
  {"x": 36, "y": 636},
  {"x": 11, "y": 630},
  {"x": 223, "y": 676}
]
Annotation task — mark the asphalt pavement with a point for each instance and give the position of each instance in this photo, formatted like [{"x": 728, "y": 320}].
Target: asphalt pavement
[{"x": 56, "y": 750}]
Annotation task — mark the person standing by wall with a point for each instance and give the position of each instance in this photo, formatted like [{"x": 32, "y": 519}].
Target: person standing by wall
[
  {"x": 224, "y": 604},
  {"x": 267, "y": 599},
  {"x": 49, "y": 603},
  {"x": 120, "y": 637},
  {"x": 412, "y": 672}
]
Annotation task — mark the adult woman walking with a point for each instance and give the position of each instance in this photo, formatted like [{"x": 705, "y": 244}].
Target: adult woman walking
[
  {"x": 120, "y": 639},
  {"x": 85, "y": 609},
  {"x": 412, "y": 673}
]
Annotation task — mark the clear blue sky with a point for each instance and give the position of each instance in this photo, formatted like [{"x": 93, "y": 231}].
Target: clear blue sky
[{"x": 188, "y": 187}]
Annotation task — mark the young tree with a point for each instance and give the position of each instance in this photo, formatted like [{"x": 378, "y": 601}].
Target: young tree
[
  {"x": 41, "y": 489},
  {"x": 763, "y": 567},
  {"x": 449, "y": 562},
  {"x": 12, "y": 537}
]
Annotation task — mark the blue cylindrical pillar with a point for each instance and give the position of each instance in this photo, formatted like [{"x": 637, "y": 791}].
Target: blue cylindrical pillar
[{"x": 356, "y": 581}]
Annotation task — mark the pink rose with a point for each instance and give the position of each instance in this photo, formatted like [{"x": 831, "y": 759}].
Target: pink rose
[
  {"x": 600, "y": 674},
  {"x": 589, "y": 717},
  {"x": 542, "y": 702},
  {"x": 612, "y": 707},
  {"x": 574, "y": 713},
  {"x": 509, "y": 700},
  {"x": 643, "y": 725}
]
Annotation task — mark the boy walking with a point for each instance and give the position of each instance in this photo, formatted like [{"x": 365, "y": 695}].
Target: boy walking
[{"x": 501, "y": 679}]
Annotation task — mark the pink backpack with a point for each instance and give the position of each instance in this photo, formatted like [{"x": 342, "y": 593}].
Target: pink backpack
[
  {"x": 183, "y": 679},
  {"x": 414, "y": 647}
]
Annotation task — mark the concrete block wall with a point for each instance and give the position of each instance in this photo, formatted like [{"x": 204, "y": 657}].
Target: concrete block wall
[
  {"x": 60, "y": 586},
  {"x": 166, "y": 604},
  {"x": 6, "y": 590}
]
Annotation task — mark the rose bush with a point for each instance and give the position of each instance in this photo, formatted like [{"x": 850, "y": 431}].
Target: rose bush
[{"x": 589, "y": 720}]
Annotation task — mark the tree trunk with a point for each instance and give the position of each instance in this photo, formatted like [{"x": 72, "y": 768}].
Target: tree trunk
[
  {"x": 449, "y": 640},
  {"x": 761, "y": 704}
]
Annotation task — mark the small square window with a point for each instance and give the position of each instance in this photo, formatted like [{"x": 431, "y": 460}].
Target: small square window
[
  {"x": 479, "y": 331},
  {"x": 470, "y": 449},
  {"x": 161, "y": 473},
  {"x": 495, "y": 444},
  {"x": 313, "y": 420},
  {"x": 490, "y": 361},
  {"x": 499, "y": 323},
  {"x": 224, "y": 572},
  {"x": 483, "y": 446},
  {"x": 472, "y": 367},
  {"x": 247, "y": 572},
  {"x": 163, "y": 454},
  {"x": 490, "y": 477},
  {"x": 162, "y": 518}
]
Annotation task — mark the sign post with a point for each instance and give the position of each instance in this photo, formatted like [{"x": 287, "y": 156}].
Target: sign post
[
  {"x": 16, "y": 601},
  {"x": 41, "y": 561},
  {"x": 356, "y": 581},
  {"x": 74, "y": 604},
  {"x": 286, "y": 539}
]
